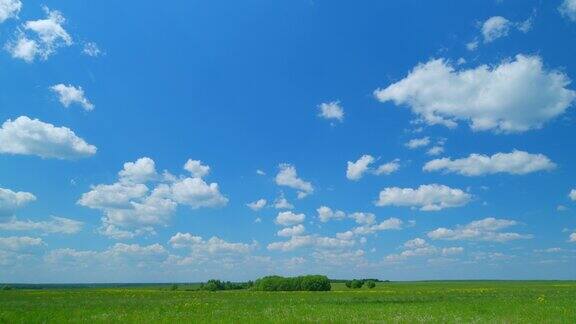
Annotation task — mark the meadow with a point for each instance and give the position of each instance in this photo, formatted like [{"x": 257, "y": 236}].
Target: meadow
[{"x": 395, "y": 302}]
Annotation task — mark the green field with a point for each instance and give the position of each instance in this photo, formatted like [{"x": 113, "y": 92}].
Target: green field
[{"x": 411, "y": 302}]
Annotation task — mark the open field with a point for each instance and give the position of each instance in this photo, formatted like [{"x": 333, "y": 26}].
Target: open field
[{"x": 440, "y": 302}]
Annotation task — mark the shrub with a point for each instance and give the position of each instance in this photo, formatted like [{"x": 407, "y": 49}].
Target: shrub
[
  {"x": 348, "y": 284},
  {"x": 174, "y": 287},
  {"x": 214, "y": 285},
  {"x": 370, "y": 284},
  {"x": 302, "y": 283},
  {"x": 357, "y": 284}
]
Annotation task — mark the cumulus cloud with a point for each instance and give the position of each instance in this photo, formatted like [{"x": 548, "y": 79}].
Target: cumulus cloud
[
  {"x": 140, "y": 171},
  {"x": 68, "y": 95},
  {"x": 257, "y": 205},
  {"x": 56, "y": 225},
  {"x": 363, "y": 218},
  {"x": 331, "y": 110},
  {"x": 287, "y": 176},
  {"x": 430, "y": 197},
  {"x": 19, "y": 243},
  {"x": 196, "y": 168},
  {"x": 487, "y": 229},
  {"x": 314, "y": 241},
  {"x": 495, "y": 27},
  {"x": 418, "y": 247},
  {"x": 572, "y": 237},
  {"x": 33, "y": 137},
  {"x": 9, "y": 9},
  {"x": 326, "y": 214},
  {"x": 388, "y": 168},
  {"x": 289, "y": 218},
  {"x": 40, "y": 38},
  {"x": 386, "y": 225},
  {"x": 516, "y": 162},
  {"x": 282, "y": 203},
  {"x": 418, "y": 142},
  {"x": 356, "y": 170},
  {"x": 131, "y": 208},
  {"x": 515, "y": 96},
  {"x": 213, "y": 245},
  {"x": 568, "y": 9},
  {"x": 10, "y": 201},
  {"x": 120, "y": 254},
  {"x": 572, "y": 194},
  {"x": 296, "y": 230}
]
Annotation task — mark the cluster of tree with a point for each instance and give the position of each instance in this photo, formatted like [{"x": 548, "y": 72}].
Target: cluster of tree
[
  {"x": 301, "y": 283},
  {"x": 358, "y": 283},
  {"x": 214, "y": 285}
]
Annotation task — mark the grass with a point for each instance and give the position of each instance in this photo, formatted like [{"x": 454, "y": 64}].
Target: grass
[{"x": 411, "y": 302}]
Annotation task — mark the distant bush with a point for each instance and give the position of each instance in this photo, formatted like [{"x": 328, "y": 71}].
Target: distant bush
[
  {"x": 174, "y": 287},
  {"x": 214, "y": 285},
  {"x": 301, "y": 283},
  {"x": 6, "y": 287},
  {"x": 358, "y": 283}
]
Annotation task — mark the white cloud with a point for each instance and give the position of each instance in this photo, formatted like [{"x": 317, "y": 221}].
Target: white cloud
[
  {"x": 415, "y": 243},
  {"x": 282, "y": 203},
  {"x": 24, "y": 49},
  {"x": 386, "y": 225},
  {"x": 143, "y": 170},
  {"x": 91, "y": 49},
  {"x": 19, "y": 243},
  {"x": 516, "y": 162},
  {"x": 430, "y": 197},
  {"x": 417, "y": 143},
  {"x": 130, "y": 208},
  {"x": 68, "y": 94},
  {"x": 418, "y": 247},
  {"x": 495, "y": 27},
  {"x": 488, "y": 229},
  {"x": 287, "y": 176},
  {"x": 296, "y": 230},
  {"x": 289, "y": 218},
  {"x": 326, "y": 214},
  {"x": 196, "y": 168},
  {"x": 260, "y": 172},
  {"x": 331, "y": 110},
  {"x": 363, "y": 218},
  {"x": 356, "y": 170},
  {"x": 568, "y": 9},
  {"x": 196, "y": 193},
  {"x": 54, "y": 225},
  {"x": 435, "y": 150},
  {"x": 12, "y": 200},
  {"x": 515, "y": 96},
  {"x": 472, "y": 46},
  {"x": 388, "y": 168},
  {"x": 572, "y": 237},
  {"x": 316, "y": 242},
  {"x": 33, "y": 137},
  {"x": 214, "y": 245},
  {"x": 9, "y": 9},
  {"x": 118, "y": 255},
  {"x": 40, "y": 37},
  {"x": 257, "y": 205},
  {"x": 572, "y": 194}
]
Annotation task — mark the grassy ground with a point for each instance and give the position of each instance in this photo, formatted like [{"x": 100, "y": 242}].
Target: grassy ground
[{"x": 439, "y": 302}]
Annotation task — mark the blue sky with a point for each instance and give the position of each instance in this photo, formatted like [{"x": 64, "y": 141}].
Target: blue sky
[{"x": 412, "y": 140}]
